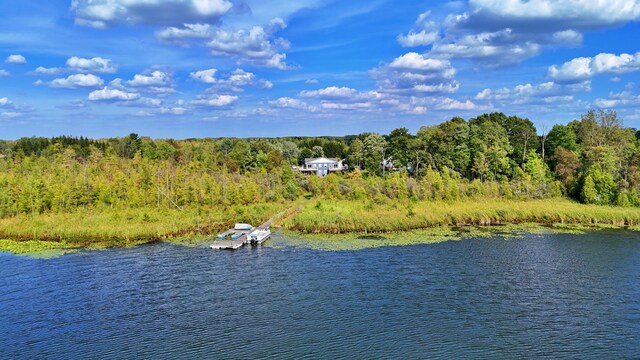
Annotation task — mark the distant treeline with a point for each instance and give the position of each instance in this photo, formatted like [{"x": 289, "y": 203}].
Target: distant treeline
[{"x": 594, "y": 160}]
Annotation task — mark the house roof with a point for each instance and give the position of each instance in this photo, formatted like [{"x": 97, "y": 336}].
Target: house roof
[{"x": 320, "y": 160}]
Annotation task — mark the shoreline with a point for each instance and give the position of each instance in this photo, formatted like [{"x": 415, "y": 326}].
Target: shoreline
[{"x": 331, "y": 220}]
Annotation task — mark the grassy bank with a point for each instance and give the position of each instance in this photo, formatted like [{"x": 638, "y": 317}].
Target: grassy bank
[
  {"x": 125, "y": 227},
  {"x": 425, "y": 221},
  {"x": 336, "y": 217}
]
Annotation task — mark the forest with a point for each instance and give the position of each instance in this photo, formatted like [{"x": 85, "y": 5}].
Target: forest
[{"x": 594, "y": 160}]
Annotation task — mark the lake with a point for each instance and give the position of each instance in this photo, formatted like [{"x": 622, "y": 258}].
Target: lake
[{"x": 542, "y": 296}]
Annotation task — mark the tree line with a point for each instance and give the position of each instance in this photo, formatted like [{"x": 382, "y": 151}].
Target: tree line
[{"x": 594, "y": 160}]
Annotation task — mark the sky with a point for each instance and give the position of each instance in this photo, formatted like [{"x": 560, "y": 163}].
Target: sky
[{"x": 253, "y": 68}]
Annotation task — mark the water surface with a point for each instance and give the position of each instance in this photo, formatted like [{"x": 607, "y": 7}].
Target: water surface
[{"x": 546, "y": 296}]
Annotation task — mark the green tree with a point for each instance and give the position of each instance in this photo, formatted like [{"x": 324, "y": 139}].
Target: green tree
[
  {"x": 356, "y": 153},
  {"x": 374, "y": 150},
  {"x": 399, "y": 146}
]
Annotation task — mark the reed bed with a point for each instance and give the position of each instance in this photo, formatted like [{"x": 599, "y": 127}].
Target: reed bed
[
  {"x": 123, "y": 227},
  {"x": 338, "y": 217}
]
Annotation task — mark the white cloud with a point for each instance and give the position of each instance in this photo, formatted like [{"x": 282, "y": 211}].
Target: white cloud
[
  {"x": 415, "y": 73},
  {"x": 256, "y": 45},
  {"x": 104, "y": 13},
  {"x": 498, "y": 33},
  {"x": 96, "y": 64},
  {"x": 241, "y": 78},
  {"x": 311, "y": 81},
  {"x": 422, "y": 38},
  {"x": 290, "y": 103},
  {"x": 76, "y": 81},
  {"x": 107, "y": 94},
  {"x": 528, "y": 94},
  {"x": 47, "y": 71},
  {"x": 180, "y": 36},
  {"x": 423, "y": 33},
  {"x": 10, "y": 114},
  {"x": 568, "y": 37},
  {"x": 234, "y": 81},
  {"x": 418, "y": 110},
  {"x": 216, "y": 101},
  {"x": 347, "y": 106},
  {"x": 177, "y": 110},
  {"x": 207, "y": 76},
  {"x": 15, "y": 59},
  {"x": 451, "y": 104},
  {"x": 553, "y": 14},
  {"x": 4, "y": 101},
  {"x": 625, "y": 98},
  {"x": 331, "y": 92},
  {"x": 156, "y": 78},
  {"x": 415, "y": 61},
  {"x": 492, "y": 49},
  {"x": 583, "y": 68},
  {"x": 3, "y": 73}
]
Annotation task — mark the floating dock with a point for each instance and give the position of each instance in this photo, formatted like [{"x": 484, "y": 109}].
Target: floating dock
[
  {"x": 229, "y": 244},
  {"x": 239, "y": 238}
]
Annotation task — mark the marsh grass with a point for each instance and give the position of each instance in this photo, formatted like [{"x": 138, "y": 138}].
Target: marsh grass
[
  {"x": 338, "y": 217},
  {"x": 95, "y": 229}
]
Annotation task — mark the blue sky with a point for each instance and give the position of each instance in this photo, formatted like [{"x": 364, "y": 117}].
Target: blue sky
[{"x": 209, "y": 68}]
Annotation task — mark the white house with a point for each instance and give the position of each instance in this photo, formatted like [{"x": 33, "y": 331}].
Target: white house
[{"x": 321, "y": 166}]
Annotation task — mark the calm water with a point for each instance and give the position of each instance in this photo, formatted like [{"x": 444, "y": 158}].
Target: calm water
[{"x": 554, "y": 296}]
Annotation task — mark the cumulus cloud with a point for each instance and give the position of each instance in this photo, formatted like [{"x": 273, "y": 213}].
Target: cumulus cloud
[
  {"x": 234, "y": 81},
  {"x": 413, "y": 72},
  {"x": 625, "y": 98},
  {"x": 528, "y": 94},
  {"x": 172, "y": 110},
  {"x": 290, "y": 103},
  {"x": 451, "y": 104},
  {"x": 216, "y": 101},
  {"x": 331, "y": 92},
  {"x": 501, "y": 33},
  {"x": 105, "y": 13},
  {"x": 503, "y": 47},
  {"x": 3, "y": 73},
  {"x": 156, "y": 82},
  {"x": 77, "y": 81},
  {"x": 207, "y": 76},
  {"x": 256, "y": 45},
  {"x": 155, "y": 78},
  {"x": 47, "y": 71},
  {"x": 362, "y": 106},
  {"x": 583, "y": 68},
  {"x": 423, "y": 33},
  {"x": 4, "y": 101},
  {"x": 15, "y": 59},
  {"x": 415, "y": 61},
  {"x": 96, "y": 64},
  {"x": 180, "y": 36},
  {"x": 108, "y": 94},
  {"x": 551, "y": 15}
]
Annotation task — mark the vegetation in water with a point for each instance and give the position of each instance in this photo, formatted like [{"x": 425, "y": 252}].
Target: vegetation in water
[
  {"x": 371, "y": 217},
  {"x": 358, "y": 241}
]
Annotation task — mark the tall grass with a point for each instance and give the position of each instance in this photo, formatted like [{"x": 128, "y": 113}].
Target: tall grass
[
  {"x": 125, "y": 226},
  {"x": 349, "y": 216}
]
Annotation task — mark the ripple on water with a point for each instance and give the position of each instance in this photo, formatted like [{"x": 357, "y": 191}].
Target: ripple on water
[{"x": 544, "y": 295}]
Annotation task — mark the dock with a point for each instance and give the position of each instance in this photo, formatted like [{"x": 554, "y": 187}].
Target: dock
[{"x": 227, "y": 243}]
